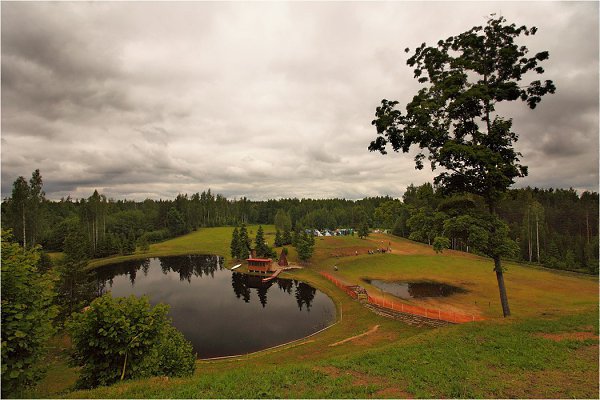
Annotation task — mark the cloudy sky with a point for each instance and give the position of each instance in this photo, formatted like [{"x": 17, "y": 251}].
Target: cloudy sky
[{"x": 264, "y": 100}]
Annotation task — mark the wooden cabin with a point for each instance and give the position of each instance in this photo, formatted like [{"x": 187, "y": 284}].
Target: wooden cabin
[{"x": 262, "y": 265}]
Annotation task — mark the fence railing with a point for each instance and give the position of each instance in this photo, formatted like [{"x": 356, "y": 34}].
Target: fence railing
[{"x": 395, "y": 305}]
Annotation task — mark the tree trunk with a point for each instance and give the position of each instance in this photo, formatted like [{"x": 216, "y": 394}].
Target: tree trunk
[
  {"x": 24, "y": 235},
  {"x": 529, "y": 235},
  {"x": 537, "y": 234},
  {"x": 587, "y": 226},
  {"x": 501, "y": 287}
]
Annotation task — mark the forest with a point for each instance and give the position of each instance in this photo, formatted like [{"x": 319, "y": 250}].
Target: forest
[{"x": 557, "y": 228}]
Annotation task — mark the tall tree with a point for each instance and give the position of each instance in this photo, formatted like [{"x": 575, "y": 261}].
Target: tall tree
[
  {"x": 278, "y": 239},
  {"x": 244, "y": 243},
  {"x": 175, "y": 222},
  {"x": 363, "y": 230},
  {"x": 19, "y": 200},
  {"x": 235, "y": 244},
  {"x": 76, "y": 287},
  {"x": 283, "y": 220},
  {"x": 287, "y": 237},
  {"x": 537, "y": 211},
  {"x": 262, "y": 248},
  {"x": 453, "y": 118},
  {"x": 35, "y": 202},
  {"x": 305, "y": 244}
]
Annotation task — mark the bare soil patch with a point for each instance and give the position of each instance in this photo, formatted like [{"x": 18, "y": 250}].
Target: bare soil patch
[
  {"x": 557, "y": 337},
  {"x": 393, "y": 393},
  {"x": 361, "y": 379}
]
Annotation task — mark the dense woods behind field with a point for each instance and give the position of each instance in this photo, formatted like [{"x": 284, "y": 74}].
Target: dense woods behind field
[{"x": 554, "y": 227}]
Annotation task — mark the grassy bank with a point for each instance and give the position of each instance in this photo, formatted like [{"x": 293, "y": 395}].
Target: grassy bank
[
  {"x": 544, "y": 358},
  {"x": 201, "y": 241},
  {"x": 549, "y": 348}
]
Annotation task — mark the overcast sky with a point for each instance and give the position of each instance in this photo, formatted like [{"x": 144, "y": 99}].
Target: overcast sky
[{"x": 264, "y": 100}]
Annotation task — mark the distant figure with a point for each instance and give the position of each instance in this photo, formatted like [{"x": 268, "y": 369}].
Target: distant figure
[
  {"x": 356, "y": 253},
  {"x": 335, "y": 268}
]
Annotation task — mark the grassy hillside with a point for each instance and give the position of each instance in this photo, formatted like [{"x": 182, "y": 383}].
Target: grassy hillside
[{"x": 549, "y": 348}]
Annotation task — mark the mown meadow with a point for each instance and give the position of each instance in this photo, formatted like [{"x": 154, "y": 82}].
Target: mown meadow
[{"x": 547, "y": 349}]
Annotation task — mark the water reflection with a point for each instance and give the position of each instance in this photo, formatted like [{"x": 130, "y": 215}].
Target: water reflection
[
  {"x": 187, "y": 266},
  {"x": 242, "y": 283},
  {"x": 415, "y": 290},
  {"x": 221, "y": 312},
  {"x": 191, "y": 265}
]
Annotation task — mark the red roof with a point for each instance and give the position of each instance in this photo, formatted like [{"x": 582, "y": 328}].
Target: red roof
[{"x": 259, "y": 259}]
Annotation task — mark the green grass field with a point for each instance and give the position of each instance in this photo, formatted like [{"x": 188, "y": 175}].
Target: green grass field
[{"x": 547, "y": 349}]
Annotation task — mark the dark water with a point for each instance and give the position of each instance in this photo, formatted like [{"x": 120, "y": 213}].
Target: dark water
[
  {"x": 415, "y": 290},
  {"x": 220, "y": 312}
]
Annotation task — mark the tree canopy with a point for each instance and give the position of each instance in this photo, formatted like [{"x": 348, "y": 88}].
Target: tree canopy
[{"x": 453, "y": 118}]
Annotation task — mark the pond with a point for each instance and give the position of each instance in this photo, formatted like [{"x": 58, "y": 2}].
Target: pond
[
  {"x": 415, "y": 290},
  {"x": 220, "y": 312}
]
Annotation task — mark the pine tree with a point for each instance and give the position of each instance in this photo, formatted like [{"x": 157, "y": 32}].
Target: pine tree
[
  {"x": 278, "y": 239},
  {"x": 76, "y": 287},
  {"x": 143, "y": 243},
  {"x": 262, "y": 249},
  {"x": 363, "y": 230},
  {"x": 130, "y": 243},
  {"x": 244, "y": 243},
  {"x": 235, "y": 244},
  {"x": 305, "y": 246},
  {"x": 287, "y": 237}
]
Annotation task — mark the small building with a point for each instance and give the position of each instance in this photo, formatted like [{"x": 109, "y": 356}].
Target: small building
[
  {"x": 283, "y": 262},
  {"x": 262, "y": 265}
]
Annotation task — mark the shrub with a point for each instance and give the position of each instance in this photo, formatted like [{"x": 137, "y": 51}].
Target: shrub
[
  {"x": 156, "y": 236},
  {"x": 126, "y": 338},
  {"x": 143, "y": 244},
  {"x": 27, "y": 314},
  {"x": 440, "y": 243},
  {"x": 176, "y": 356}
]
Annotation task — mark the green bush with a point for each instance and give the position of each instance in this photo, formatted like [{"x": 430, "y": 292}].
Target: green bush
[
  {"x": 440, "y": 243},
  {"x": 156, "y": 236},
  {"x": 176, "y": 356},
  {"x": 27, "y": 314},
  {"x": 126, "y": 338}
]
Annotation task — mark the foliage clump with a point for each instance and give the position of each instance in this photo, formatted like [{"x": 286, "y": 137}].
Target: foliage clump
[
  {"x": 440, "y": 243},
  {"x": 27, "y": 314},
  {"x": 363, "y": 230},
  {"x": 126, "y": 338}
]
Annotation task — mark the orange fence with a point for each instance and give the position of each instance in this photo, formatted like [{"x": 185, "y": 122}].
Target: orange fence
[
  {"x": 396, "y": 305},
  {"x": 337, "y": 283}
]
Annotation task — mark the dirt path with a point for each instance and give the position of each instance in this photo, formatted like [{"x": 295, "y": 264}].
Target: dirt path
[{"x": 370, "y": 331}]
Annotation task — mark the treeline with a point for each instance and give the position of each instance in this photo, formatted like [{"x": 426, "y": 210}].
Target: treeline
[
  {"x": 554, "y": 227},
  {"x": 119, "y": 226}
]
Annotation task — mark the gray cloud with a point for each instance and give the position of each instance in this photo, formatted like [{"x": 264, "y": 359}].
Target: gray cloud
[{"x": 264, "y": 100}]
